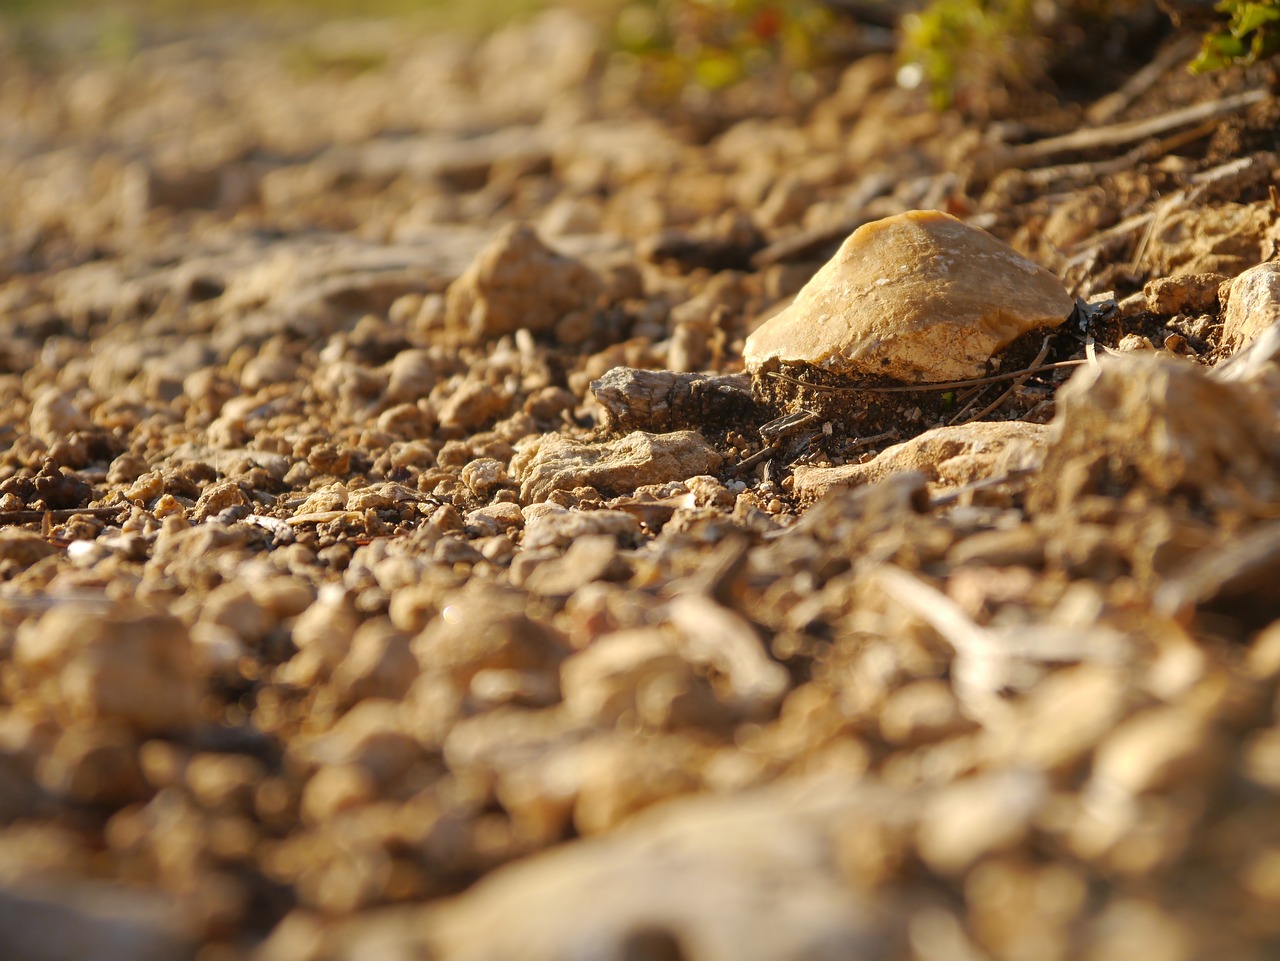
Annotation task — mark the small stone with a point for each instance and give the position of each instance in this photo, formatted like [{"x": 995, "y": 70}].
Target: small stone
[
  {"x": 1252, "y": 303},
  {"x": 21, "y": 549},
  {"x": 1183, "y": 294},
  {"x": 753, "y": 683},
  {"x": 485, "y": 630},
  {"x": 47, "y": 920},
  {"x": 562, "y": 528},
  {"x": 970, "y": 819},
  {"x": 137, "y": 669},
  {"x": 554, "y": 462},
  {"x": 94, "y": 764},
  {"x": 590, "y": 558},
  {"x": 331, "y": 497},
  {"x": 1154, "y": 423},
  {"x": 1156, "y": 749},
  {"x": 217, "y": 498},
  {"x": 602, "y": 683},
  {"x": 55, "y": 414},
  {"x": 483, "y": 476},
  {"x": 518, "y": 282},
  {"x": 920, "y": 712},
  {"x": 473, "y": 405},
  {"x": 919, "y": 297},
  {"x": 495, "y": 518}
]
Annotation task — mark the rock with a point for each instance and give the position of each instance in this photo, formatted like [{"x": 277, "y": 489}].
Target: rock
[
  {"x": 1159, "y": 424},
  {"x": 604, "y": 682},
  {"x": 472, "y": 406},
  {"x": 589, "y": 558},
  {"x": 562, "y": 528},
  {"x": 554, "y": 462},
  {"x": 686, "y": 879},
  {"x": 1154, "y": 750},
  {"x": 20, "y": 549},
  {"x": 135, "y": 668},
  {"x": 918, "y": 297},
  {"x": 662, "y": 400},
  {"x": 970, "y": 819},
  {"x": 723, "y": 640},
  {"x": 486, "y": 630},
  {"x": 518, "y": 282},
  {"x": 1252, "y": 303},
  {"x": 55, "y": 414},
  {"x": 947, "y": 456},
  {"x": 1223, "y": 239},
  {"x": 95, "y": 765},
  {"x": 920, "y": 712},
  {"x": 1185, "y": 293}
]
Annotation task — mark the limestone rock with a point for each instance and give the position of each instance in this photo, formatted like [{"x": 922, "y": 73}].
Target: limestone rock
[
  {"x": 919, "y": 296},
  {"x": 555, "y": 462},
  {"x": 948, "y": 456},
  {"x": 518, "y": 282},
  {"x": 1252, "y": 304}
]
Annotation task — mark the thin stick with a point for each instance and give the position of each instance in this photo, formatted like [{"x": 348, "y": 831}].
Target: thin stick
[
  {"x": 948, "y": 385},
  {"x": 1044, "y": 349},
  {"x": 1117, "y": 101},
  {"x": 1118, "y": 134},
  {"x": 755, "y": 458},
  {"x": 1043, "y": 177}
]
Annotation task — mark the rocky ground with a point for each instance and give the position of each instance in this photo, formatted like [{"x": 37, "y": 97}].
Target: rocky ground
[{"x": 398, "y": 560}]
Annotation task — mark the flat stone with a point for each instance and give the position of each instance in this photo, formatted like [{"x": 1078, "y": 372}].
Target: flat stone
[
  {"x": 947, "y": 456},
  {"x": 554, "y": 462},
  {"x": 919, "y": 297}
]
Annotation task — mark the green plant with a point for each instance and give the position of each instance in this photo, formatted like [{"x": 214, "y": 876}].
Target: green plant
[
  {"x": 953, "y": 46},
  {"x": 1252, "y": 33}
]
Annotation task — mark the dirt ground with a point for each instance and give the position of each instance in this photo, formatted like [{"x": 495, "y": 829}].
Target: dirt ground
[{"x": 397, "y": 560}]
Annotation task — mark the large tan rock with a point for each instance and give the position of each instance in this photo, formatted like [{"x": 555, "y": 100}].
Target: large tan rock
[{"x": 919, "y": 296}]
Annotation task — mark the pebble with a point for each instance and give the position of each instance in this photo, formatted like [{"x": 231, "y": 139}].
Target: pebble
[
  {"x": 518, "y": 282},
  {"x": 918, "y": 297}
]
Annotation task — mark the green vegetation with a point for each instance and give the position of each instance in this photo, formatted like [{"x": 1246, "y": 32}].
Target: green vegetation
[
  {"x": 956, "y": 47},
  {"x": 1251, "y": 34},
  {"x": 716, "y": 44}
]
